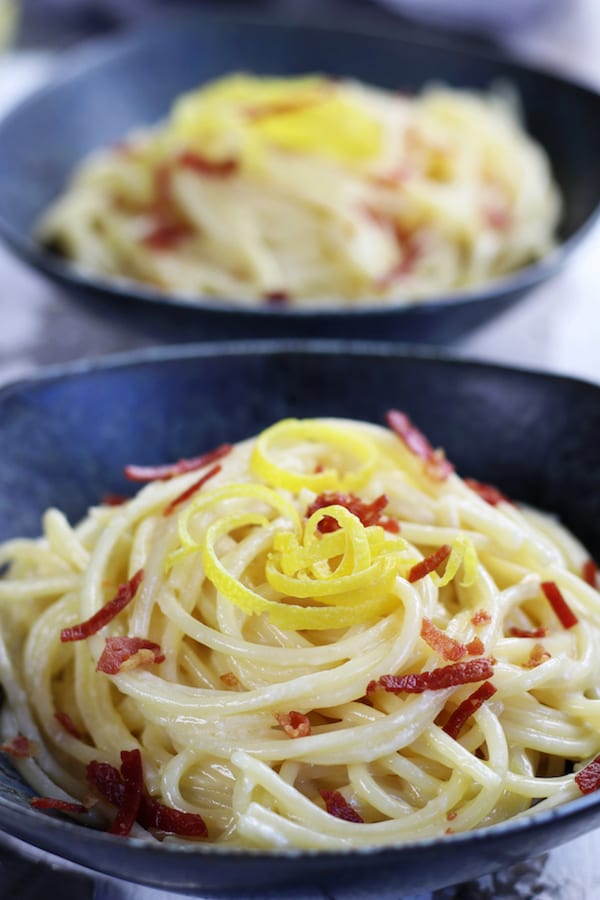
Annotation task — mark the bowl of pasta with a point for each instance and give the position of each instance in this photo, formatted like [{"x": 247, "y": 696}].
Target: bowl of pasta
[
  {"x": 291, "y": 634},
  {"x": 252, "y": 179}
]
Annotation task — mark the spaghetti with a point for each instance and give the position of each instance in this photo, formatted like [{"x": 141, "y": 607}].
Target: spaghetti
[
  {"x": 321, "y": 637},
  {"x": 311, "y": 192}
]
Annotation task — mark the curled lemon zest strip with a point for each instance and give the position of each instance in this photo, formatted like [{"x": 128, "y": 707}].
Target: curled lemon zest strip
[
  {"x": 356, "y": 551},
  {"x": 362, "y": 448},
  {"x": 463, "y": 551},
  {"x": 227, "y": 492},
  {"x": 287, "y": 615}
]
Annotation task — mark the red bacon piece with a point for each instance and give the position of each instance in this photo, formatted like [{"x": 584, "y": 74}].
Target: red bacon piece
[
  {"x": 566, "y": 616},
  {"x": 121, "y": 654},
  {"x": 67, "y": 723},
  {"x": 338, "y": 806},
  {"x": 185, "y": 495},
  {"x": 446, "y": 646},
  {"x": 295, "y": 724},
  {"x": 487, "y": 492},
  {"x": 430, "y": 563},
  {"x": 58, "y": 805},
  {"x": 125, "y": 594},
  {"x": 528, "y": 633},
  {"x": 480, "y": 617},
  {"x": 20, "y": 747},
  {"x": 152, "y": 814},
  {"x": 222, "y": 168},
  {"x": 466, "y": 709},
  {"x": 167, "y": 235},
  {"x": 589, "y": 573},
  {"x": 475, "y": 647},
  {"x": 133, "y": 785},
  {"x": 368, "y": 513},
  {"x": 170, "y": 470},
  {"x": 173, "y": 821},
  {"x": 437, "y": 679},
  {"x": 436, "y": 465},
  {"x": 111, "y": 499},
  {"x": 277, "y": 298},
  {"x": 537, "y": 656},
  {"x": 588, "y": 779}
]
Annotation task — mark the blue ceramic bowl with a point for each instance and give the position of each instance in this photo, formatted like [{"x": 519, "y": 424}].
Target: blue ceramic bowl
[
  {"x": 66, "y": 435},
  {"x": 107, "y": 88}
]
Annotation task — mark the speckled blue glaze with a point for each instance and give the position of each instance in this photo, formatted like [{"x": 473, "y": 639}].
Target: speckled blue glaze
[
  {"x": 110, "y": 87},
  {"x": 66, "y": 435}
]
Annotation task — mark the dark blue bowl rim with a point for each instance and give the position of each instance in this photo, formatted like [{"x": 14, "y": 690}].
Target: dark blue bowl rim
[
  {"x": 96, "y": 52},
  {"x": 16, "y": 817}
]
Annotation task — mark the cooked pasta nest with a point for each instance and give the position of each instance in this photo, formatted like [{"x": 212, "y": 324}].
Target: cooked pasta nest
[
  {"x": 313, "y": 192},
  {"x": 321, "y": 637}
]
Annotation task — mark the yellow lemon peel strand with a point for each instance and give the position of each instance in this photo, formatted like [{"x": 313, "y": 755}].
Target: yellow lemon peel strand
[
  {"x": 227, "y": 492},
  {"x": 463, "y": 551},
  {"x": 263, "y": 465},
  {"x": 247, "y": 115},
  {"x": 285, "y": 615}
]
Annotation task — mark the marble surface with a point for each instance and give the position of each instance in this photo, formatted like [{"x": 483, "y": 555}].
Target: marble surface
[{"x": 557, "y": 328}]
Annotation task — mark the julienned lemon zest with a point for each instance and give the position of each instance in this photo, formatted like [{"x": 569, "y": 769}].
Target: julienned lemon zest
[
  {"x": 263, "y": 466},
  {"x": 322, "y": 589},
  {"x": 285, "y": 615},
  {"x": 245, "y": 115},
  {"x": 228, "y": 492},
  {"x": 463, "y": 551},
  {"x": 356, "y": 554}
]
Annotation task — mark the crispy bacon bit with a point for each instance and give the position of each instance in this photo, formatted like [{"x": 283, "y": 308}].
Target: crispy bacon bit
[
  {"x": 446, "y": 646},
  {"x": 133, "y": 786},
  {"x": 58, "y": 805},
  {"x": 295, "y": 724},
  {"x": 67, "y": 723},
  {"x": 436, "y": 465},
  {"x": 475, "y": 647},
  {"x": 537, "y": 656},
  {"x": 451, "y": 815},
  {"x": 487, "y": 492},
  {"x": 589, "y": 573},
  {"x": 337, "y": 805},
  {"x": 566, "y": 616},
  {"x": 185, "y": 495},
  {"x": 20, "y": 747},
  {"x": 152, "y": 814},
  {"x": 449, "y": 831},
  {"x": 437, "y": 679},
  {"x": 525, "y": 633},
  {"x": 429, "y": 564},
  {"x": 466, "y": 709},
  {"x": 163, "y": 473},
  {"x": 173, "y": 821},
  {"x": 167, "y": 235},
  {"x": 588, "y": 779},
  {"x": 125, "y": 594},
  {"x": 114, "y": 499},
  {"x": 277, "y": 298},
  {"x": 121, "y": 654},
  {"x": 230, "y": 679},
  {"x": 222, "y": 168},
  {"x": 480, "y": 617},
  {"x": 368, "y": 513}
]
